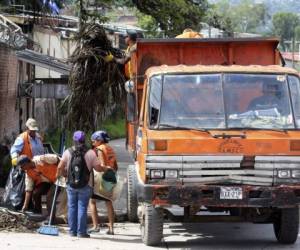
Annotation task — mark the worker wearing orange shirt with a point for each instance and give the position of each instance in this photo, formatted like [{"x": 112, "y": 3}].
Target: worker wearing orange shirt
[{"x": 40, "y": 177}]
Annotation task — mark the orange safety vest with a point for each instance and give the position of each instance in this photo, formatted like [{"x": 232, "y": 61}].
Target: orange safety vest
[
  {"x": 46, "y": 170},
  {"x": 109, "y": 155},
  {"x": 128, "y": 66},
  {"x": 129, "y": 69},
  {"x": 27, "y": 146}
]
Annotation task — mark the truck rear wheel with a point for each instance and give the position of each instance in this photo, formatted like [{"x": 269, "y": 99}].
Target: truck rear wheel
[
  {"x": 132, "y": 202},
  {"x": 286, "y": 225},
  {"x": 152, "y": 225}
]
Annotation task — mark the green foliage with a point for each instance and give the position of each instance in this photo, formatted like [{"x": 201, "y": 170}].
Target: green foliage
[
  {"x": 173, "y": 16},
  {"x": 284, "y": 25},
  {"x": 273, "y": 6},
  {"x": 215, "y": 19},
  {"x": 149, "y": 24},
  {"x": 242, "y": 17},
  {"x": 53, "y": 137},
  {"x": 115, "y": 128},
  {"x": 93, "y": 15}
]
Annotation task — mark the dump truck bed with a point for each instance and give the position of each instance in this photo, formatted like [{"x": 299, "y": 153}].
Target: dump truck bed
[{"x": 239, "y": 51}]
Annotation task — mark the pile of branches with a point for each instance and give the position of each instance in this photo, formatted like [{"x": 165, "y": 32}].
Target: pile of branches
[
  {"x": 13, "y": 221},
  {"x": 97, "y": 86}
]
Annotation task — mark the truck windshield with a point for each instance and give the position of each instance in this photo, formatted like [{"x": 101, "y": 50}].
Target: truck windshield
[{"x": 224, "y": 101}]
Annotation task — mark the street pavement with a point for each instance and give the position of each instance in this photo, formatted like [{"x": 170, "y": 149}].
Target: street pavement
[{"x": 176, "y": 235}]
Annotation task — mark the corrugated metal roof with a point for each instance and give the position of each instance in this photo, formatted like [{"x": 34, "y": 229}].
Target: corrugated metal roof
[{"x": 44, "y": 61}]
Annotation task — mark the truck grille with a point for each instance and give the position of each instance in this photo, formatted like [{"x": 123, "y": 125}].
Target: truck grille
[{"x": 226, "y": 169}]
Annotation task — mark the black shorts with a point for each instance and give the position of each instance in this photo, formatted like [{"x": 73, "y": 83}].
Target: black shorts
[{"x": 99, "y": 198}]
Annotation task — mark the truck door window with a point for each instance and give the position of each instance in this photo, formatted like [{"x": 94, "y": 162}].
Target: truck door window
[
  {"x": 295, "y": 95},
  {"x": 155, "y": 100},
  {"x": 258, "y": 101}
]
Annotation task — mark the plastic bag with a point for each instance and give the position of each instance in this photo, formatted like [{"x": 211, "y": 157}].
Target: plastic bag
[
  {"x": 15, "y": 188},
  {"x": 100, "y": 191}
]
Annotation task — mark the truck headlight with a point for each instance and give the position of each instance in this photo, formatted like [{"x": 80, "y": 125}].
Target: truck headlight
[
  {"x": 284, "y": 174},
  {"x": 156, "y": 174},
  {"x": 296, "y": 174},
  {"x": 171, "y": 174}
]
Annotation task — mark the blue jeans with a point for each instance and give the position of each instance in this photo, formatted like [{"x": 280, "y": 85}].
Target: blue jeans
[{"x": 78, "y": 200}]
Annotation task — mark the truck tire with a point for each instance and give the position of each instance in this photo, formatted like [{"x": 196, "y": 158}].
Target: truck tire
[
  {"x": 286, "y": 225},
  {"x": 132, "y": 202},
  {"x": 152, "y": 225}
]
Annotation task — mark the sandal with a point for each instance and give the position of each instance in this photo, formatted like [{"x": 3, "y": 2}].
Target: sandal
[
  {"x": 94, "y": 230},
  {"x": 109, "y": 232}
]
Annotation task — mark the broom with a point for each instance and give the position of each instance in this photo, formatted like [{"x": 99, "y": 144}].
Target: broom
[{"x": 49, "y": 229}]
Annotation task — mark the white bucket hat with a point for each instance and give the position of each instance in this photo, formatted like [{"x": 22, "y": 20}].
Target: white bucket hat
[{"x": 31, "y": 124}]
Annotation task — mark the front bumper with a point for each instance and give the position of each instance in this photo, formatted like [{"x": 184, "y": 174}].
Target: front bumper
[{"x": 209, "y": 195}]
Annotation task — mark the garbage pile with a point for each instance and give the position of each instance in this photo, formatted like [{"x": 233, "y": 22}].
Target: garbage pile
[
  {"x": 96, "y": 84},
  {"x": 16, "y": 222}
]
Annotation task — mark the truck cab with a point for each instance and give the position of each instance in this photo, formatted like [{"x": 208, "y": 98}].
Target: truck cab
[{"x": 216, "y": 133}]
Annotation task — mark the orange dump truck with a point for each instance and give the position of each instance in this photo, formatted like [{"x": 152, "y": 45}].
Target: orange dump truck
[{"x": 213, "y": 125}]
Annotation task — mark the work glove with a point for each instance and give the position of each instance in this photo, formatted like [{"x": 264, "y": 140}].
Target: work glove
[
  {"x": 109, "y": 57},
  {"x": 14, "y": 161}
]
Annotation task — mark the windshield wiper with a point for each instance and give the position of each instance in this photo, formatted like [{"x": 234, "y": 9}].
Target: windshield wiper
[
  {"x": 161, "y": 126},
  {"x": 251, "y": 128}
]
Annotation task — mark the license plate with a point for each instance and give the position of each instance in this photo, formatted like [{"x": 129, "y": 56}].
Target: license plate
[{"x": 231, "y": 193}]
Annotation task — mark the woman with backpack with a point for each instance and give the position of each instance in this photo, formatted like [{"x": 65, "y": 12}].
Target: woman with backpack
[
  {"x": 103, "y": 190},
  {"x": 77, "y": 164}
]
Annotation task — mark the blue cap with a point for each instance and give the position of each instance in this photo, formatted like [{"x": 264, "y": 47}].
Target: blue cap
[
  {"x": 100, "y": 136},
  {"x": 79, "y": 136}
]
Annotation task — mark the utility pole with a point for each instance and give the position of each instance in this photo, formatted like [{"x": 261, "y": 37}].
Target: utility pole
[
  {"x": 80, "y": 14},
  {"x": 293, "y": 52}
]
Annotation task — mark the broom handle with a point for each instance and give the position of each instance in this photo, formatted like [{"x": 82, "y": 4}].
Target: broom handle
[{"x": 53, "y": 204}]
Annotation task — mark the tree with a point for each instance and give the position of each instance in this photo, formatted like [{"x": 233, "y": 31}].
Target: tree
[
  {"x": 148, "y": 23},
  {"x": 219, "y": 21},
  {"x": 284, "y": 26},
  {"x": 173, "y": 16},
  {"x": 242, "y": 17}
]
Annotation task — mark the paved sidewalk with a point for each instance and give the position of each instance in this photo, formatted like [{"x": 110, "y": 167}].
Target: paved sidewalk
[{"x": 127, "y": 236}]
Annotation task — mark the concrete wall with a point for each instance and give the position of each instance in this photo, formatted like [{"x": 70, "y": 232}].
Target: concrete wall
[{"x": 53, "y": 44}]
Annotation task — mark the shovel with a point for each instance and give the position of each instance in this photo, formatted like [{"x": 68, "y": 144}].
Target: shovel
[{"x": 49, "y": 229}]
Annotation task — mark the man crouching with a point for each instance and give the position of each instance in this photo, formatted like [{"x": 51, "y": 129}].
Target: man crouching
[{"x": 39, "y": 180}]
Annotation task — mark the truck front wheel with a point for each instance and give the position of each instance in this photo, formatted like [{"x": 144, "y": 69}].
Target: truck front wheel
[
  {"x": 151, "y": 225},
  {"x": 132, "y": 202},
  {"x": 286, "y": 225}
]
